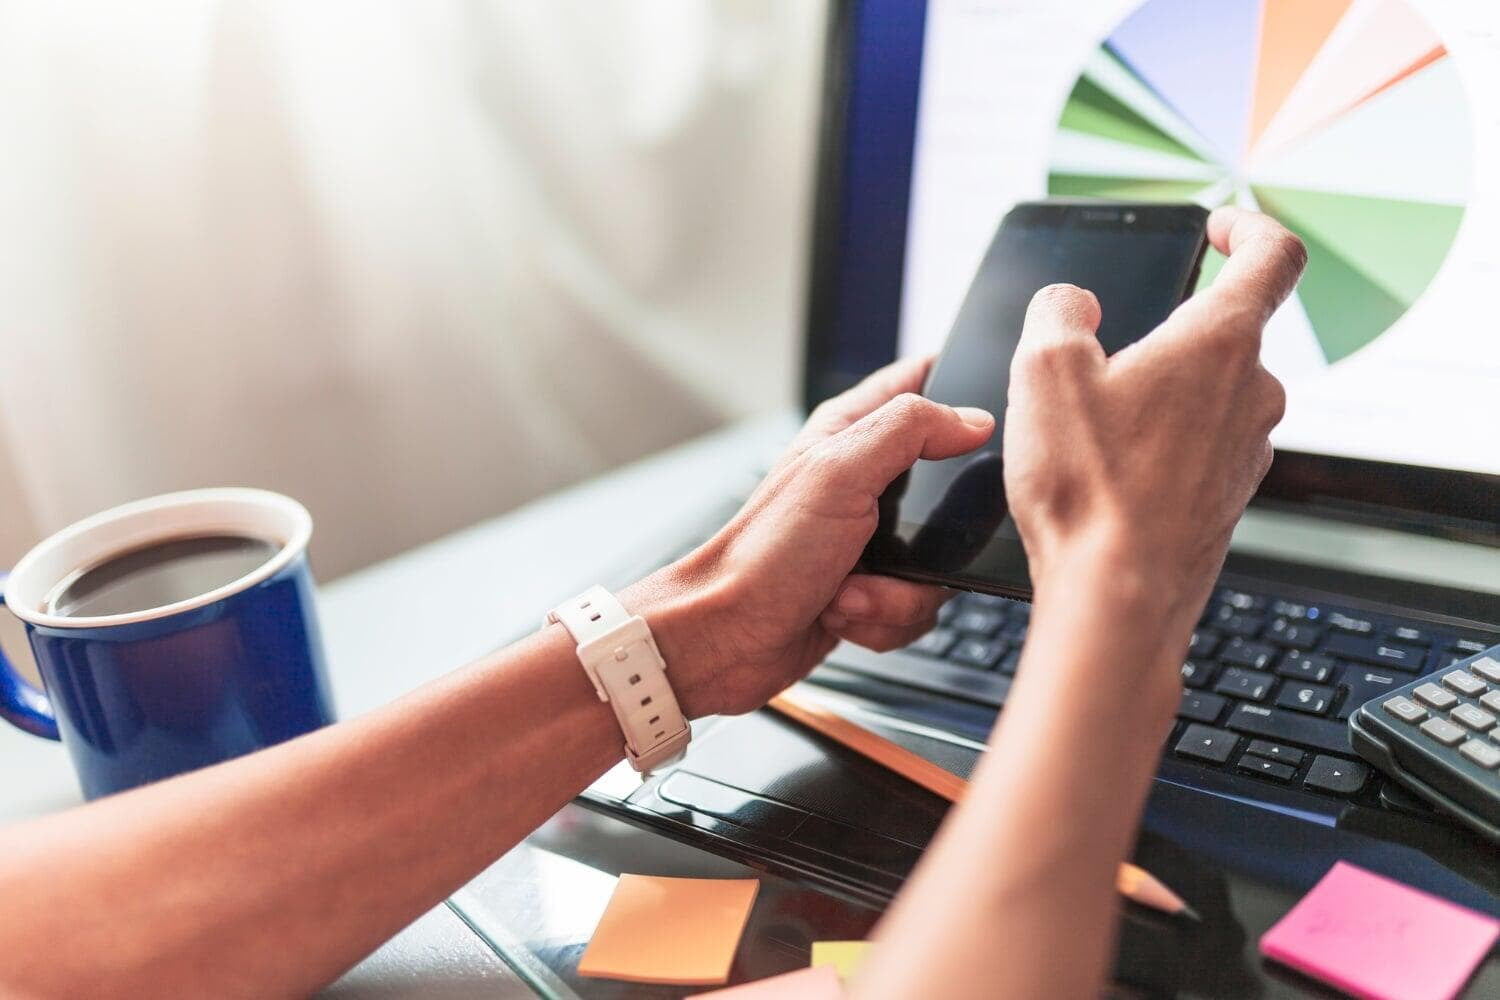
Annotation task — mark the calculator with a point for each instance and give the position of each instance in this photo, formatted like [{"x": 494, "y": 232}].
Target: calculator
[{"x": 1440, "y": 737}]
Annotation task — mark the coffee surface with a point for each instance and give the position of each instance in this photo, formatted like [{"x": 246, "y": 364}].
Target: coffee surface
[{"x": 160, "y": 574}]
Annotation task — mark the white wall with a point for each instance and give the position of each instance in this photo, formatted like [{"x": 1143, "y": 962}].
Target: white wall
[{"x": 411, "y": 263}]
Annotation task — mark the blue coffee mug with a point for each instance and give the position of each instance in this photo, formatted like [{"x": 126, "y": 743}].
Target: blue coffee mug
[{"x": 145, "y": 695}]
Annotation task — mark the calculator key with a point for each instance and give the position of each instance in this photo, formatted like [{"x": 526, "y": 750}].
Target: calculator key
[
  {"x": 1487, "y": 667},
  {"x": 1205, "y": 743},
  {"x": 981, "y": 653},
  {"x": 934, "y": 643},
  {"x": 1473, "y": 717},
  {"x": 1267, "y": 768},
  {"x": 1289, "y": 756},
  {"x": 1336, "y": 775},
  {"x": 1313, "y": 668},
  {"x": 1195, "y": 673},
  {"x": 1367, "y": 649},
  {"x": 978, "y": 621},
  {"x": 1443, "y": 731},
  {"x": 1465, "y": 684},
  {"x": 1251, "y": 685},
  {"x": 1491, "y": 701},
  {"x": 1404, "y": 709},
  {"x": 1244, "y": 653},
  {"x": 1309, "y": 698},
  {"x": 1200, "y": 706},
  {"x": 1435, "y": 697},
  {"x": 1415, "y": 636},
  {"x": 1486, "y": 755}
]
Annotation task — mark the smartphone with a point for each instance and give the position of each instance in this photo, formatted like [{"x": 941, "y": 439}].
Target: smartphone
[{"x": 947, "y": 522}]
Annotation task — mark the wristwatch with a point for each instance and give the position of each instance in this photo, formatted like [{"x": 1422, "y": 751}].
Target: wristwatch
[{"x": 627, "y": 671}]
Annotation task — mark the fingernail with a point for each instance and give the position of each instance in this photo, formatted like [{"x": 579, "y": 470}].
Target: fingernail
[
  {"x": 854, "y": 602},
  {"x": 974, "y": 416}
]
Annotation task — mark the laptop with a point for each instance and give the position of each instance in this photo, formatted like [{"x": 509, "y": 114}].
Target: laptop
[{"x": 1359, "y": 129}]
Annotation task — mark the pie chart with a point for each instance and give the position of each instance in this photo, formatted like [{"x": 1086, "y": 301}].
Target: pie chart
[{"x": 1344, "y": 119}]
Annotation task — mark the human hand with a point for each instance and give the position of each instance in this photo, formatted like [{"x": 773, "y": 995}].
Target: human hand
[
  {"x": 1135, "y": 468},
  {"x": 762, "y": 602}
]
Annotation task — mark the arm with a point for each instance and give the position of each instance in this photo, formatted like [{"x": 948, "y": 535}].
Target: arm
[
  {"x": 1126, "y": 476},
  {"x": 271, "y": 874}
]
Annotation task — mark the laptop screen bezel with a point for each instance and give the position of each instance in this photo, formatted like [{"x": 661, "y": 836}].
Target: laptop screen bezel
[{"x": 1447, "y": 503}]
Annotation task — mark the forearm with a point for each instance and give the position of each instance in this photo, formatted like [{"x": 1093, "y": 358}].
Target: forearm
[
  {"x": 271, "y": 874},
  {"x": 1029, "y": 857}
]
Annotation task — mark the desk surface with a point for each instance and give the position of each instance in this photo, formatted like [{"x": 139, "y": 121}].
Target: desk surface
[{"x": 489, "y": 583}]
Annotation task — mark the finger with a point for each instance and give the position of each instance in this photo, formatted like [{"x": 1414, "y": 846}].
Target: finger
[
  {"x": 1265, "y": 262},
  {"x": 878, "y": 447},
  {"x": 876, "y": 389},
  {"x": 885, "y": 600},
  {"x": 880, "y": 638},
  {"x": 1062, "y": 314}
]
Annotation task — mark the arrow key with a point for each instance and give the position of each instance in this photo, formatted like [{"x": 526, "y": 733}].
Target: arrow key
[
  {"x": 1336, "y": 775},
  {"x": 1266, "y": 768},
  {"x": 1206, "y": 743}
]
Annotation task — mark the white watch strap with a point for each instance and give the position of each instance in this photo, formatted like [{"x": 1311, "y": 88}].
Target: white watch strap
[{"x": 621, "y": 659}]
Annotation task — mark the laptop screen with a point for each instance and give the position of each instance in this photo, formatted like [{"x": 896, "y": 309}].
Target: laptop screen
[{"x": 1369, "y": 127}]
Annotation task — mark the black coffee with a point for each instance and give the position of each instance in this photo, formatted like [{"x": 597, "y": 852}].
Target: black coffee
[{"x": 156, "y": 575}]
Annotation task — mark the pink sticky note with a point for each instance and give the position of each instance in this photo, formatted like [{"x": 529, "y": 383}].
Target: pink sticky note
[
  {"x": 1374, "y": 937},
  {"x": 820, "y": 982}
]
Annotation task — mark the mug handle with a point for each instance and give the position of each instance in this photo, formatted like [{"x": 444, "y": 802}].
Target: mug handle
[{"x": 21, "y": 704}]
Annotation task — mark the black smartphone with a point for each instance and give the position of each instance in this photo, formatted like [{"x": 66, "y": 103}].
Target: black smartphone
[{"x": 947, "y": 522}]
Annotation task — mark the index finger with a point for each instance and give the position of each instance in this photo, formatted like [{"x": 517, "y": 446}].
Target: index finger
[{"x": 1265, "y": 262}]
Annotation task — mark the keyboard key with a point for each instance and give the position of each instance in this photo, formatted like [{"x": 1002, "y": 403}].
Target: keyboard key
[
  {"x": 1414, "y": 636},
  {"x": 1289, "y": 727},
  {"x": 1275, "y": 751},
  {"x": 1266, "y": 768},
  {"x": 1229, "y": 620},
  {"x": 1348, "y": 623},
  {"x": 1310, "y": 667},
  {"x": 978, "y": 621},
  {"x": 1241, "y": 601},
  {"x": 1491, "y": 701},
  {"x": 1404, "y": 709},
  {"x": 1288, "y": 609},
  {"x": 1473, "y": 717},
  {"x": 1443, "y": 731},
  {"x": 1310, "y": 698},
  {"x": 934, "y": 643},
  {"x": 1204, "y": 743},
  {"x": 1468, "y": 647},
  {"x": 1465, "y": 684},
  {"x": 1435, "y": 697},
  {"x": 1245, "y": 653},
  {"x": 1200, "y": 706},
  {"x": 1014, "y": 633},
  {"x": 981, "y": 653},
  {"x": 989, "y": 601},
  {"x": 1336, "y": 775},
  {"x": 1195, "y": 673},
  {"x": 1294, "y": 633},
  {"x": 1250, "y": 685},
  {"x": 1009, "y": 662},
  {"x": 1486, "y": 755},
  {"x": 1205, "y": 641},
  {"x": 1368, "y": 650},
  {"x": 1361, "y": 685},
  {"x": 1487, "y": 667}
]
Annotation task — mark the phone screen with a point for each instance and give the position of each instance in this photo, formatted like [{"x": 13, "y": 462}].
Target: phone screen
[{"x": 948, "y": 521}]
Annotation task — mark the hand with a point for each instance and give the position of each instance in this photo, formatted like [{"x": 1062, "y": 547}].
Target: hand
[
  {"x": 1135, "y": 468},
  {"x": 762, "y": 602}
]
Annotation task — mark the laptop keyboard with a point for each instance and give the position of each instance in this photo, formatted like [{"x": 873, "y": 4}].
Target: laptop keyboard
[{"x": 1268, "y": 683}]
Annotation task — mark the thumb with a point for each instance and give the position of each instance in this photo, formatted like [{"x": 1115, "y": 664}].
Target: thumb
[
  {"x": 1065, "y": 318},
  {"x": 880, "y": 446}
]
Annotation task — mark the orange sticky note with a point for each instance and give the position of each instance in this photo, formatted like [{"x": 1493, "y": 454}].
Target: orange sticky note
[
  {"x": 820, "y": 982},
  {"x": 682, "y": 931}
]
